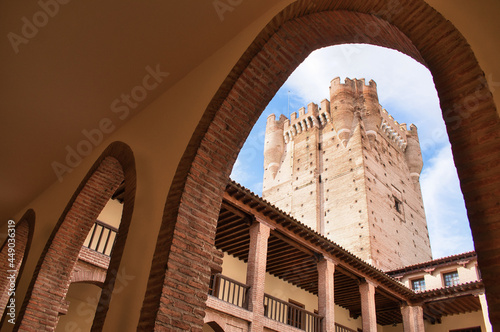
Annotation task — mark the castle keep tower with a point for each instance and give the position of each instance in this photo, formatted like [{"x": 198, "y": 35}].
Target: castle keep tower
[{"x": 351, "y": 172}]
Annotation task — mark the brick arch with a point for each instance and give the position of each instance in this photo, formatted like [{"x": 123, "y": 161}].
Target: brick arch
[
  {"x": 214, "y": 326},
  {"x": 413, "y": 28},
  {"x": 23, "y": 235},
  {"x": 88, "y": 274},
  {"x": 51, "y": 280}
]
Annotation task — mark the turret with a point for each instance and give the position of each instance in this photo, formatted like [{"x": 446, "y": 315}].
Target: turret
[
  {"x": 413, "y": 154},
  {"x": 342, "y": 107},
  {"x": 274, "y": 144},
  {"x": 372, "y": 117}
]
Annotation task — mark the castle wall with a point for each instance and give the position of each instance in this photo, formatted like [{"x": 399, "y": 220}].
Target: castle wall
[
  {"x": 294, "y": 187},
  {"x": 398, "y": 228},
  {"x": 346, "y": 218},
  {"x": 350, "y": 172}
]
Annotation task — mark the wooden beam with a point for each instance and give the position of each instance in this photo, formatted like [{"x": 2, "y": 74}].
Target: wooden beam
[{"x": 293, "y": 243}]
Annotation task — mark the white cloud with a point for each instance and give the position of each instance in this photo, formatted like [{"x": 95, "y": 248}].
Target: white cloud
[
  {"x": 239, "y": 173},
  {"x": 445, "y": 210}
]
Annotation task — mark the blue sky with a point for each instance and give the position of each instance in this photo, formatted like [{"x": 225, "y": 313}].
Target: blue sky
[{"x": 407, "y": 92}]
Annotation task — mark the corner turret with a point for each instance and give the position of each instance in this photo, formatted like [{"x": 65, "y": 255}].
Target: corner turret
[
  {"x": 342, "y": 107},
  {"x": 274, "y": 144},
  {"x": 372, "y": 117},
  {"x": 354, "y": 99},
  {"x": 413, "y": 154}
]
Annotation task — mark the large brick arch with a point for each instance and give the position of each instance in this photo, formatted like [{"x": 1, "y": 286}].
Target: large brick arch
[
  {"x": 186, "y": 237},
  {"x": 51, "y": 280},
  {"x": 21, "y": 245}
]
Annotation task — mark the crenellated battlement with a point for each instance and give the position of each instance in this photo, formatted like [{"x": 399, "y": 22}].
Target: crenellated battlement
[
  {"x": 301, "y": 121},
  {"x": 317, "y": 117},
  {"x": 312, "y": 118},
  {"x": 352, "y": 86},
  {"x": 352, "y": 104},
  {"x": 394, "y": 131},
  {"x": 351, "y": 100}
]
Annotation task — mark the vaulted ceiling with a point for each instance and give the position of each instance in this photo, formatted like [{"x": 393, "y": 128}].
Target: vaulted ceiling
[{"x": 60, "y": 72}]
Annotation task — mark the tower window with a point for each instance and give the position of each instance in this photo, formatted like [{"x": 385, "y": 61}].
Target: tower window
[
  {"x": 418, "y": 285},
  {"x": 398, "y": 205}
]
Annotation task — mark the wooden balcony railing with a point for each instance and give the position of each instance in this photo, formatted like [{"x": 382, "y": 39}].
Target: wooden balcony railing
[
  {"x": 229, "y": 290},
  {"x": 101, "y": 238},
  {"x": 341, "y": 328},
  {"x": 236, "y": 293},
  {"x": 291, "y": 314}
]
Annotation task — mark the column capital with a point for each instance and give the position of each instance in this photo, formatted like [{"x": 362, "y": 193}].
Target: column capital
[
  {"x": 410, "y": 305},
  {"x": 325, "y": 265},
  {"x": 263, "y": 221},
  {"x": 332, "y": 260},
  {"x": 369, "y": 282}
]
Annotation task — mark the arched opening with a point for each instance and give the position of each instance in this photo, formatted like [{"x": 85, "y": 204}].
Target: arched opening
[
  {"x": 466, "y": 102},
  {"x": 41, "y": 308},
  {"x": 82, "y": 299},
  {"x": 13, "y": 255},
  {"x": 212, "y": 327},
  {"x": 406, "y": 91}
]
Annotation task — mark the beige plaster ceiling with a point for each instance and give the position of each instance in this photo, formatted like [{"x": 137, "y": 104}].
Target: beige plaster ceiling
[{"x": 61, "y": 77}]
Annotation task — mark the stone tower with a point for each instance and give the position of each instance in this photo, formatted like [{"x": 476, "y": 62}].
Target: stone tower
[{"x": 351, "y": 172}]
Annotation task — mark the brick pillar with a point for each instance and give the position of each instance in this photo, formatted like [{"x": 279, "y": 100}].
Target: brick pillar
[
  {"x": 413, "y": 318},
  {"x": 326, "y": 295},
  {"x": 256, "y": 272},
  {"x": 368, "y": 312}
]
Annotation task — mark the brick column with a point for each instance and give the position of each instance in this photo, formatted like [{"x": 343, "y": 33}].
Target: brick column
[
  {"x": 326, "y": 294},
  {"x": 256, "y": 272},
  {"x": 368, "y": 312},
  {"x": 413, "y": 318}
]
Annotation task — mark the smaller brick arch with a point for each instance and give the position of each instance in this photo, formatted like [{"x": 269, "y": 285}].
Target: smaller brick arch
[
  {"x": 50, "y": 282},
  {"x": 23, "y": 235},
  {"x": 216, "y": 327},
  {"x": 86, "y": 273}
]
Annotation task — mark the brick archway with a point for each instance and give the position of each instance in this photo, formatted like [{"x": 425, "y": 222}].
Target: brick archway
[
  {"x": 22, "y": 237},
  {"x": 214, "y": 326},
  {"x": 413, "y": 28},
  {"x": 51, "y": 279},
  {"x": 88, "y": 274}
]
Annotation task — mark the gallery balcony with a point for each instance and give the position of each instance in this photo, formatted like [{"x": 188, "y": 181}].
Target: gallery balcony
[{"x": 235, "y": 293}]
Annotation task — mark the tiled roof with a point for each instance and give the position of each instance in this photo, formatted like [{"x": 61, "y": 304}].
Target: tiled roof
[{"x": 434, "y": 263}]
